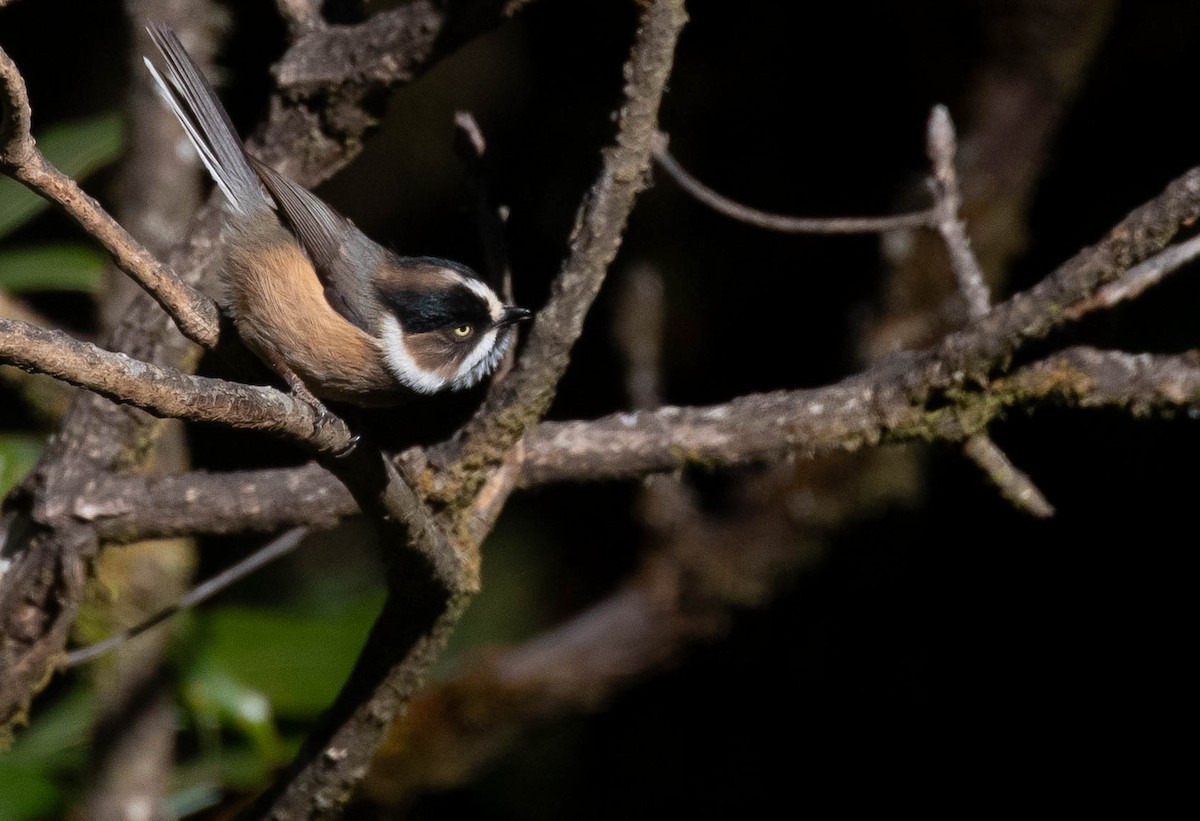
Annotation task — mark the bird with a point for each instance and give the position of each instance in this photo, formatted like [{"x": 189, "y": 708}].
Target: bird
[{"x": 334, "y": 313}]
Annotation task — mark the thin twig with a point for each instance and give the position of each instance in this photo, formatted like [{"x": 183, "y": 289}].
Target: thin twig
[
  {"x": 1138, "y": 279},
  {"x": 779, "y": 222},
  {"x": 472, "y": 150},
  {"x": 1013, "y": 483},
  {"x": 274, "y": 549},
  {"x": 1092, "y": 378},
  {"x": 942, "y": 146},
  {"x": 489, "y": 220}
]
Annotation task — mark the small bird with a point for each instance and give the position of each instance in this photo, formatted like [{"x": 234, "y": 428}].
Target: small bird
[{"x": 337, "y": 315}]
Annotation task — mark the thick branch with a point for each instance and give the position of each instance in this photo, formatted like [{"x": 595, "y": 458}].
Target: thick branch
[
  {"x": 392, "y": 47},
  {"x": 627, "y": 445},
  {"x": 429, "y": 586}
]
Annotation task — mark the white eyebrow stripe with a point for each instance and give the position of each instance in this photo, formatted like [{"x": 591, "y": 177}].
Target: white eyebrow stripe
[{"x": 495, "y": 307}]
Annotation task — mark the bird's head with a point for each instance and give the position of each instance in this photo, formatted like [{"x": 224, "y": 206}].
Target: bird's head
[{"x": 441, "y": 327}]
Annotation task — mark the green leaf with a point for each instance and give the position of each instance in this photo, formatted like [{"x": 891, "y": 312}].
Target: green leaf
[
  {"x": 18, "y": 454},
  {"x": 77, "y": 149},
  {"x": 218, "y": 700},
  {"x": 51, "y": 268},
  {"x": 57, "y": 736},
  {"x": 53, "y": 748},
  {"x": 298, "y": 660}
]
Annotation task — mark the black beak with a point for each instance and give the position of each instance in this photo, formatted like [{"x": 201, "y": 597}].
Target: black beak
[{"x": 512, "y": 315}]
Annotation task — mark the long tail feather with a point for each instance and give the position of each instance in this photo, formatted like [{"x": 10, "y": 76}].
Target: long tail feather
[{"x": 207, "y": 125}]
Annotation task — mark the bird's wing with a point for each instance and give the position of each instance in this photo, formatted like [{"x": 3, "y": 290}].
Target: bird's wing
[{"x": 342, "y": 255}]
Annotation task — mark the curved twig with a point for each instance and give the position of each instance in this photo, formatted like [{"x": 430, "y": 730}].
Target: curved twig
[{"x": 779, "y": 222}]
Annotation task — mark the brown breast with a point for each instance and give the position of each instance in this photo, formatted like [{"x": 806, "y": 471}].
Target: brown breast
[{"x": 279, "y": 305}]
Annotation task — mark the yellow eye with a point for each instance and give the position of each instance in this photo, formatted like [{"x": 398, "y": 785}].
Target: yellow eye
[{"x": 463, "y": 331}]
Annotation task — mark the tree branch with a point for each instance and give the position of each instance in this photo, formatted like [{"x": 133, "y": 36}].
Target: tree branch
[
  {"x": 1138, "y": 279},
  {"x": 1012, "y": 482},
  {"x": 970, "y": 354},
  {"x": 516, "y": 403},
  {"x": 166, "y": 392},
  {"x": 754, "y": 428},
  {"x": 195, "y": 314},
  {"x": 300, "y": 16},
  {"x": 390, "y": 48}
]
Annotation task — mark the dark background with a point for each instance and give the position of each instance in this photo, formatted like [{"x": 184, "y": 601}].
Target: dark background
[{"x": 950, "y": 645}]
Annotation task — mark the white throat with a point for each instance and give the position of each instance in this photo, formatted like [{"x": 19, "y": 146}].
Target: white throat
[{"x": 482, "y": 361}]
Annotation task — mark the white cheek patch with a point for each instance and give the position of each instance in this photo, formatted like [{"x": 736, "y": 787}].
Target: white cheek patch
[
  {"x": 482, "y": 360},
  {"x": 401, "y": 363}
]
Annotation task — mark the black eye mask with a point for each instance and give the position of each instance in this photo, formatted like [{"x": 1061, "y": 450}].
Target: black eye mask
[{"x": 423, "y": 311}]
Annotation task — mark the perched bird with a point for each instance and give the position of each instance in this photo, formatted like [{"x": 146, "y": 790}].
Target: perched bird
[{"x": 332, "y": 311}]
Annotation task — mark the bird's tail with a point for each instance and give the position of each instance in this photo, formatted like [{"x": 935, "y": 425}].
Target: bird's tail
[{"x": 207, "y": 124}]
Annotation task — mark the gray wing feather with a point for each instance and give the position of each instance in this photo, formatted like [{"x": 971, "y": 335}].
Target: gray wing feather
[{"x": 342, "y": 255}]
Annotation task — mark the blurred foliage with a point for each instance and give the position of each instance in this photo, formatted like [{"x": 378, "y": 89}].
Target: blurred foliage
[
  {"x": 297, "y": 660},
  {"x": 45, "y": 756},
  {"x": 78, "y": 149},
  {"x": 18, "y": 452},
  {"x": 51, "y": 268},
  {"x": 252, "y": 678}
]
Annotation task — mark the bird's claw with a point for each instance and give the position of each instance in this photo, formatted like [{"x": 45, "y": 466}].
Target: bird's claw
[{"x": 350, "y": 447}]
